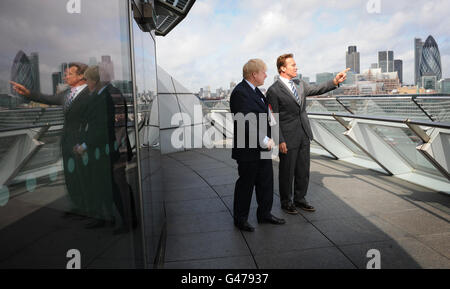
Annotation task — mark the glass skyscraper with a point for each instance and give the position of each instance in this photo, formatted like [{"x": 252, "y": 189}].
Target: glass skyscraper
[
  {"x": 398, "y": 67},
  {"x": 386, "y": 61},
  {"x": 430, "y": 63},
  {"x": 418, "y": 46}
]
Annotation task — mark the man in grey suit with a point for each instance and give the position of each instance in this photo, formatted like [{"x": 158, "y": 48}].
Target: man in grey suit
[
  {"x": 287, "y": 97},
  {"x": 74, "y": 102}
]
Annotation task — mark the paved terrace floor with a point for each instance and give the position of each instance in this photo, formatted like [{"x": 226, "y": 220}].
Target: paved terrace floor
[{"x": 357, "y": 210}]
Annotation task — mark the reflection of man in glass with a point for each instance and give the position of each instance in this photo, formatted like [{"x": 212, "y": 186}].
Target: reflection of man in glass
[
  {"x": 74, "y": 101},
  {"x": 107, "y": 180}
]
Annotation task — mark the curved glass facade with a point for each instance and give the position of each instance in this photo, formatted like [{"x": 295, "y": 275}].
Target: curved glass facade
[
  {"x": 430, "y": 63},
  {"x": 61, "y": 207}
]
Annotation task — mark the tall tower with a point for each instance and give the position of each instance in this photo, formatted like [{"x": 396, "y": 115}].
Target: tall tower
[
  {"x": 398, "y": 67},
  {"x": 430, "y": 63},
  {"x": 34, "y": 61},
  {"x": 352, "y": 59},
  {"x": 386, "y": 61},
  {"x": 418, "y": 45},
  {"x": 108, "y": 67}
]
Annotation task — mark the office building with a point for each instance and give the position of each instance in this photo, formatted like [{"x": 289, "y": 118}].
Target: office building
[
  {"x": 430, "y": 63},
  {"x": 34, "y": 61},
  {"x": 324, "y": 77},
  {"x": 444, "y": 86},
  {"x": 56, "y": 80},
  {"x": 108, "y": 66},
  {"x": 353, "y": 59},
  {"x": 386, "y": 61},
  {"x": 418, "y": 45},
  {"x": 398, "y": 67},
  {"x": 429, "y": 82}
]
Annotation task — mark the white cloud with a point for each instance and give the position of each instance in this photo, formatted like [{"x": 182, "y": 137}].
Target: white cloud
[{"x": 214, "y": 41}]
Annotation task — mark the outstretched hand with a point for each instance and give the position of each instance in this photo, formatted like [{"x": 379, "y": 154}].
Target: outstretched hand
[
  {"x": 341, "y": 77},
  {"x": 20, "y": 89}
]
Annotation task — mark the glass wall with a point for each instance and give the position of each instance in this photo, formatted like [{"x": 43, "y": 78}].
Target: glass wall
[
  {"x": 69, "y": 184},
  {"x": 149, "y": 144}
]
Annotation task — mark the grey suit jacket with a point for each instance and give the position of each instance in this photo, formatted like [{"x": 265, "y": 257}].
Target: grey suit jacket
[{"x": 292, "y": 114}]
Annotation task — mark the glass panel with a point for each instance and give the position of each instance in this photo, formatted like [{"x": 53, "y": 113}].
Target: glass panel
[
  {"x": 315, "y": 147},
  {"x": 180, "y": 88},
  {"x": 188, "y": 103},
  {"x": 337, "y": 130},
  {"x": 390, "y": 107},
  {"x": 404, "y": 142},
  {"x": 166, "y": 142},
  {"x": 165, "y": 84},
  {"x": 438, "y": 108},
  {"x": 69, "y": 176},
  {"x": 149, "y": 149},
  {"x": 325, "y": 105},
  {"x": 168, "y": 106}
]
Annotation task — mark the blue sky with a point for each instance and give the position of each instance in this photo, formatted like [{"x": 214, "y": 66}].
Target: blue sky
[{"x": 218, "y": 37}]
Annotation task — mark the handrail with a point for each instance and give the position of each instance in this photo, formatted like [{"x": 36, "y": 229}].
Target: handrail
[
  {"x": 32, "y": 109},
  {"x": 13, "y": 128},
  {"x": 385, "y": 119},
  {"x": 384, "y": 97}
]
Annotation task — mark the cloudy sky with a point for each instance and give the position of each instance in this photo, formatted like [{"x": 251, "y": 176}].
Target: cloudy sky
[{"x": 217, "y": 37}]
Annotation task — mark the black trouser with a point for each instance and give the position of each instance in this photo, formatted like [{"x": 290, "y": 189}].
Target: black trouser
[
  {"x": 255, "y": 174},
  {"x": 294, "y": 166}
]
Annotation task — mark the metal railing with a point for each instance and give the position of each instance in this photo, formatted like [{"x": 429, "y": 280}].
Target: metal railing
[{"x": 416, "y": 107}]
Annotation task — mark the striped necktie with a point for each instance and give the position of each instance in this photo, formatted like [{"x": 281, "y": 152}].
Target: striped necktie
[
  {"x": 294, "y": 90},
  {"x": 71, "y": 96}
]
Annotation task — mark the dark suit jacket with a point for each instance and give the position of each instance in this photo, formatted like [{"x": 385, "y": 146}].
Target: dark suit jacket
[
  {"x": 73, "y": 115},
  {"x": 245, "y": 100},
  {"x": 292, "y": 114}
]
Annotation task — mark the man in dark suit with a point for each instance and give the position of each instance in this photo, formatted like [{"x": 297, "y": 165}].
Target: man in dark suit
[
  {"x": 250, "y": 138},
  {"x": 74, "y": 102},
  {"x": 287, "y": 96},
  {"x": 106, "y": 119}
]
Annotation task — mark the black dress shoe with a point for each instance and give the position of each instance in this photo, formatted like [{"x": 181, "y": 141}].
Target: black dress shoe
[
  {"x": 73, "y": 215},
  {"x": 305, "y": 207},
  {"x": 290, "y": 209},
  {"x": 244, "y": 227},
  {"x": 272, "y": 220}
]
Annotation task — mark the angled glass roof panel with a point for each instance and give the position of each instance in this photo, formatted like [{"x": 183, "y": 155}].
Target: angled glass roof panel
[
  {"x": 168, "y": 107},
  {"x": 438, "y": 108},
  {"x": 179, "y": 88},
  {"x": 166, "y": 142},
  {"x": 165, "y": 84},
  {"x": 188, "y": 102}
]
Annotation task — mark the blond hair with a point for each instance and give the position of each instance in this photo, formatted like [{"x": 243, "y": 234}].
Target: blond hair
[
  {"x": 92, "y": 73},
  {"x": 253, "y": 65}
]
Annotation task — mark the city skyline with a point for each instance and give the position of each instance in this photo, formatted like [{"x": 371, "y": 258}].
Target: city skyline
[{"x": 221, "y": 37}]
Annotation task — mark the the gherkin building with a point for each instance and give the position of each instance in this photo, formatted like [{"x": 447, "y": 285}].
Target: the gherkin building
[{"x": 430, "y": 63}]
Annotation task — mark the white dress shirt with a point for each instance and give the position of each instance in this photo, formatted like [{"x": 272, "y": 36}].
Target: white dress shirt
[
  {"x": 78, "y": 89},
  {"x": 286, "y": 82}
]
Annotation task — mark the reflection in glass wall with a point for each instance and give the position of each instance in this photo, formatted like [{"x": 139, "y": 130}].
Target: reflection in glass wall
[
  {"x": 68, "y": 181},
  {"x": 149, "y": 145}
]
